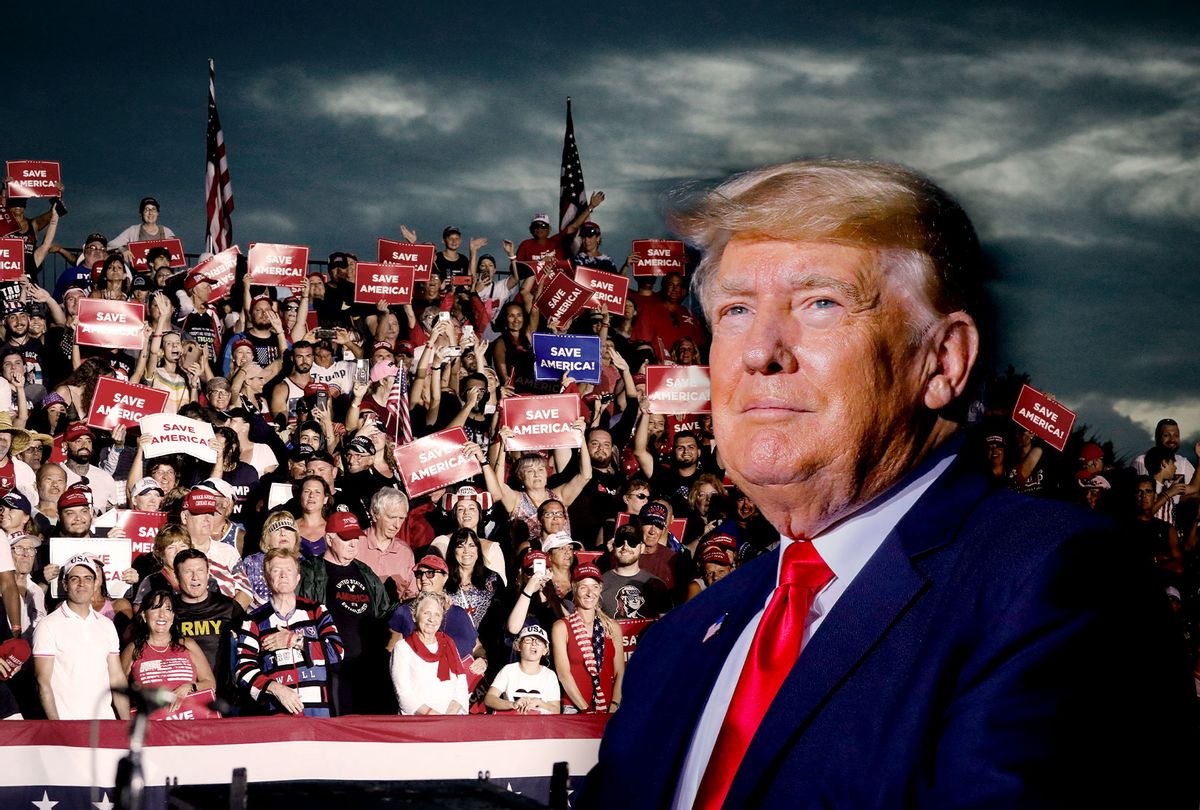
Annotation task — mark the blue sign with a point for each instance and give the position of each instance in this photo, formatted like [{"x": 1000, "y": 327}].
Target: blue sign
[{"x": 575, "y": 355}]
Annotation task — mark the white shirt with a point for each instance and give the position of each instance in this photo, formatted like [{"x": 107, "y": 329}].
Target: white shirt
[
  {"x": 845, "y": 547},
  {"x": 1182, "y": 467},
  {"x": 417, "y": 683},
  {"x": 80, "y": 648},
  {"x": 105, "y": 492}
]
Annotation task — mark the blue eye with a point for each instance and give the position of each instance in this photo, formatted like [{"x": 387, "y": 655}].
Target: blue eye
[{"x": 825, "y": 303}]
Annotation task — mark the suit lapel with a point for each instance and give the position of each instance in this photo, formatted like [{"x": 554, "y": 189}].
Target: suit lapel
[
  {"x": 876, "y": 598},
  {"x": 733, "y": 602}
]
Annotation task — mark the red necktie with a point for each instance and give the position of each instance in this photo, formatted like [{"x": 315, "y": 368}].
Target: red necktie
[{"x": 773, "y": 653}]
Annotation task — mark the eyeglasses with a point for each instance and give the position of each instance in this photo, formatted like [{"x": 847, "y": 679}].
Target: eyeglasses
[
  {"x": 21, "y": 550},
  {"x": 427, "y": 574},
  {"x": 554, "y": 514},
  {"x": 641, "y": 496},
  {"x": 626, "y": 541}
]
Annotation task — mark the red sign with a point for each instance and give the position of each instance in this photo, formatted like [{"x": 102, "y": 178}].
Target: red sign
[
  {"x": 110, "y": 324},
  {"x": 657, "y": 257},
  {"x": 435, "y": 461},
  {"x": 221, "y": 268},
  {"x": 390, "y": 283},
  {"x": 33, "y": 178},
  {"x": 541, "y": 422},
  {"x": 562, "y": 299},
  {"x": 1050, "y": 421},
  {"x": 631, "y": 632},
  {"x": 140, "y": 527},
  {"x": 406, "y": 254},
  {"x": 608, "y": 289},
  {"x": 140, "y": 249},
  {"x": 8, "y": 223},
  {"x": 12, "y": 259},
  {"x": 273, "y": 265},
  {"x": 678, "y": 389},
  {"x": 121, "y": 403},
  {"x": 192, "y": 707}
]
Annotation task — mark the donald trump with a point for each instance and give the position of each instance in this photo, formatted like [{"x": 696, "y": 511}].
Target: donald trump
[{"x": 919, "y": 638}]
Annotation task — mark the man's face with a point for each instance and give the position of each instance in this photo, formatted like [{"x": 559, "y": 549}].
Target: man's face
[
  {"x": 651, "y": 534},
  {"x": 302, "y": 360},
  {"x": 193, "y": 578},
  {"x": 81, "y": 585},
  {"x": 1168, "y": 438},
  {"x": 687, "y": 452},
  {"x": 818, "y": 389},
  {"x": 453, "y": 241},
  {"x": 600, "y": 448},
  {"x": 260, "y": 314},
  {"x": 51, "y": 484},
  {"x": 282, "y": 575},
  {"x": 359, "y": 461},
  {"x": 18, "y": 324},
  {"x": 14, "y": 368},
  {"x": 323, "y": 469},
  {"x": 342, "y": 547},
  {"x": 389, "y": 518},
  {"x": 80, "y": 450},
  {"x": 674, "y": 290},
  {"x": 75, "y": 521},
  {"x": 1144, "y": 497},
  {"x": 24, "y": 553},
  {"x": 626, "y": 550},
  {"x": 199, "y": 527}
]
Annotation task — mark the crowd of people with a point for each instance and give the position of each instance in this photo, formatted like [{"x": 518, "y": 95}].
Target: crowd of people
[{"x": 295, "y": 575}]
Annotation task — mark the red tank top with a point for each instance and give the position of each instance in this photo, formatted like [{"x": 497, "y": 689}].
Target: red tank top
[{"x": 167, "y": 669}]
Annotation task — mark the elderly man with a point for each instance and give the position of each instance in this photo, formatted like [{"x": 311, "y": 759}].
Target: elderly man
[
  {"x": 917, "y": 638},
  {"x": 77, "y": 657},
  {"x": 359, "y": 605},
  {"x": 385, "y": 548},
  {"x": 286, "y": 648}
]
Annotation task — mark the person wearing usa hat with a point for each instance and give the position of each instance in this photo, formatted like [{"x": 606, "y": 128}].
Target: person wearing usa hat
[
  {"x": 589, "y": 654},
  {"x": 359, "y": 604},
  {"x": 76, "y": 652},
  {"x": 526, "y": 686}
]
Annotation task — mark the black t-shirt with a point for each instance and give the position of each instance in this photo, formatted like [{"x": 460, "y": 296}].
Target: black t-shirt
[
  {"x": 242, "y": 478},
  {"x": 638, "y": 596},
  {"x": 349, "y": 603},
  {"x": 202, "y": 328},
  {"x": 266, "y": 349},
  {"x": 451, "y": 267},
  {"x": 210, "y": 624},
  {"x": 670, "y": 483}
]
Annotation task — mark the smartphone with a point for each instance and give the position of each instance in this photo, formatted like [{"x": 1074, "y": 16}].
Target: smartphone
[
  {"x": 468, "y": 329},
  {"x": 59, "y": 207},
  {"x": 322, "y": 399},
  {"x": 324, "y": 333},
  {"x": 443, "y": 316},
  {"x": 362, "y": 371},
  {"x": 539, "y": 567},
  {"x": 452, "y": 351}
]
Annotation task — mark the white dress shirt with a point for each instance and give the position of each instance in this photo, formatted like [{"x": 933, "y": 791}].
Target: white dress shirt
[{"x": 846, "y": 547}]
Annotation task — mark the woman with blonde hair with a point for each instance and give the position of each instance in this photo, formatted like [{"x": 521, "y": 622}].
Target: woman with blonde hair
[{"x": 589, "y": 653}]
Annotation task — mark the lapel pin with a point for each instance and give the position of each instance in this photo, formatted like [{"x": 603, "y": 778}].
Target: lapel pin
[{"x": 714, "y": 628}]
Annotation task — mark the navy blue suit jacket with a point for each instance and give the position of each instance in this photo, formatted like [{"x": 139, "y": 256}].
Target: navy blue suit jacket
[{"x": 996, "y": 651}]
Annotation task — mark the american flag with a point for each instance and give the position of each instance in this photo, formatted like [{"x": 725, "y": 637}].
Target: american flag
[
  {"x": 397, "y": 407},
  {"x": 218, "y": 192},
  {"x": 571, "y": 197}
]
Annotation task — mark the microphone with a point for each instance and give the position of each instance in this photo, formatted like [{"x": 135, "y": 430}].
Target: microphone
[{"x": 147, "y": 697}]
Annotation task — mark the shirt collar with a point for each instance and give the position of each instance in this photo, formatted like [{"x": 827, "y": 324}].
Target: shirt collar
[{"x": 849, "y": 544}]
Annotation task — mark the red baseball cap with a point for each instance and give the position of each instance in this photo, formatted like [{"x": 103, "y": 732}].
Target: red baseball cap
[
  {"x": 75, "y": 495},
  {"x": 345, "y": 525},
  {"x": 200, "y": 501},
  {"x": 316, "y": 388},
  {"x": 434, "y": 563},
  {"x": 587, "y": 571},
  {"x": 14, "y": 653},
  {"x": 78, "y": 430}
]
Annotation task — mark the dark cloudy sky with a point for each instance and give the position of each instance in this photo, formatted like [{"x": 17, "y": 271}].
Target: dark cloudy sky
[{"x": 1071, "y": 134}]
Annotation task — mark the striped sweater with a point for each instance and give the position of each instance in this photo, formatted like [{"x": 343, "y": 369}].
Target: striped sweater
[{"x": 307, "y": 669}]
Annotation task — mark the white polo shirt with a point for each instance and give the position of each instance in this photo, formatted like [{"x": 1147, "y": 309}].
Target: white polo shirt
[{"x": 80, "y": 648}]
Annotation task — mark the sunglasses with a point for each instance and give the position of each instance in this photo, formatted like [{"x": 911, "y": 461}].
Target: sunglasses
[
  {"x": 426, "y": 573},
  {"x": 626, "y": 541},
  {"x": 641, "y": 496}
]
